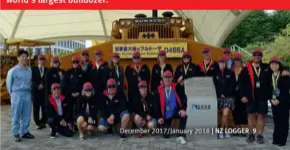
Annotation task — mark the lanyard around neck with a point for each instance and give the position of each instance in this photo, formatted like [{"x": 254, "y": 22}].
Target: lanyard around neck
[
  {"x": 207, "y": 67},
  {"x": 275, "y": 80},
  {"x": 185, "y": 68},
  {"x": 168, "y": 92},
  {"x": 257, "y": 71}
]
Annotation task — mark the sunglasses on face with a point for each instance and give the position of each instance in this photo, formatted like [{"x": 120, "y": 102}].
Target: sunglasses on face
[
  {"x": 55, "y": 62},
  {"x": 257, "y": 54},
  {"x": 167, "y": 77},
  {"x": 85, "y": 54},
  {"x": 136, "y": 57},
  {"x": 205, "y": 52},
  {"x": 75, "y": 62},
  {"x": 186, "y": 57},
  {"x": 118, "y": 57},
  {"x": 111, "y": 86},
  {"x": 88, "y": 90},
  {"x": 98, "y": 54},
  {"x": 56, "y": 88},
  {"x": 226, "y": 52},
  {"x": 143, "y": 87}
]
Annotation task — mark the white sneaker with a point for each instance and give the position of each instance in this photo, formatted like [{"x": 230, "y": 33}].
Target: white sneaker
[
  {"x": 221, "y": 136},
  {"x": 181, "y": 140},
  {"x": 227, "y": 135}
]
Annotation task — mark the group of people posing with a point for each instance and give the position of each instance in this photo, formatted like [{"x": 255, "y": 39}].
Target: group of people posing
[{"x": 93, "y": 94}]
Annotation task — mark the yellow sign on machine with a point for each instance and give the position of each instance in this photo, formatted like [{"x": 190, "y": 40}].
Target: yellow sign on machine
[{"x": 150, "y": 50}]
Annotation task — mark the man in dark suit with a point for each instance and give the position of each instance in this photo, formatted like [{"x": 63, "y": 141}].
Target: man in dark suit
[{"x": 38, "y": 92}]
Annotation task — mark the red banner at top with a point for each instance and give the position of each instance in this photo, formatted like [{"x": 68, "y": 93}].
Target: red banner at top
[{"x": 144, "y": 4}]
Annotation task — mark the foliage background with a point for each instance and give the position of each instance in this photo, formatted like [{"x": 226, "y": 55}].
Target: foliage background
[{"x": 268, "y": 31}]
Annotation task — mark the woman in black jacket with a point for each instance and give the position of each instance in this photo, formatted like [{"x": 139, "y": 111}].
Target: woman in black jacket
[
  {"x": 280, "y": 101},
  {"x": 158, "y": 69},
  {"x": 86, "y": 110},
  {"x": 224, "y": 81}
]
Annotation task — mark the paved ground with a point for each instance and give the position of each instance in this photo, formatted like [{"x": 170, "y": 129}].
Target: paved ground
[{"x": 106, "y": 142}]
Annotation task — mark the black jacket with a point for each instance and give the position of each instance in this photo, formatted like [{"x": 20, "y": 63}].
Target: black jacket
[
  {"x": 99, "y": 78},
  {"x": 75, "y": 79},
  {"x": 248, "y": 81},
  {"x": 283, "y": 86},
  {"x": 54, "y": 75},
  {"x": 87, "y": 69},
  {"x": 112, "y": 73},
  {"x": 81, "y": 107},
  {"x": 114, "y": 106},
  {"x": 213, "y": 66},
  {"x": 37, "y": 79},
  {"x": 156, "y": 75},
  {"x": 52, "y": 111},
  {"x": 224, "y": 83},
  {"x": 192, "y": 71},
  {"x": 132, "y": 78},
  {"x": 150, "y": 104}
]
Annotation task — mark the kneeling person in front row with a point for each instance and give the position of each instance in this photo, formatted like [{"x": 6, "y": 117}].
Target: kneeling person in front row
[
  {"x": 145, "y": 108},
  {"x": 173, "y": 105},
  {"x": 113, "y": 108},
  {"x": 86, "y": 110},
  {"x": 58, "y": 113}
]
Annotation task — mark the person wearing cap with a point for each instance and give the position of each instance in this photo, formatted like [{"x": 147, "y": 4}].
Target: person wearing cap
[
  {"x": 228, "y": 53},
  {"x": 173, "y": 104},
  {"x": 116, "y": 71},
  {"x": 146, "y": 108},
  {"x": 208, "y": 66},
  {"x": 113, "y": 108},
  {"x": 74, "y": 80},
  {"x": 58, "y": 112},
  {"x": 253, "y": 83},
  {"x": 279, "y": 89},
  {"x": 54, "y": 75},
  {"x": 240, "y": 115},
  {"x": 224, "y": 81},
  {"x": 98, "y": 76},
  {"x": 86, "y": 110},
  {"x": 18, "y": 83},
  {"x": 38, "y": 92},
  {"x": 184, "y": 71},
  {"x": 158, "y": 69},
  {"x": 86, "y": 65},
  {"x": 135, "y": 73}
]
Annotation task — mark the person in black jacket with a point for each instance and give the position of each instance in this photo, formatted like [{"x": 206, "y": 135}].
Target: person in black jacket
[
  {"x": 253, "y": 84},
  {"x": 86, "y": 65},
  {"x": 38, "y": 92},
  {"x": 74, "y": 78},
  {"x": 116, "y": 71},
  {"x": 58, "y": 113},
  {"x": 54, "y": 75},
  {"x": 135, "y": 73},
  {"x": 240, "y": 115},
  {"x": 184, "y": 71},
  {"x": 224, "y": 81},
  {"x": 158, "y": 69},
  {"x": 172, "y": 105},
  {"x": 208, "y": 66},
  {"x": 86, "y": 110},
  {"x": 113, "y": 108},
  {"x": 98, "y": 75},
  {"x": 146, "y": 108},
  {"x": 280, "y": 101}
]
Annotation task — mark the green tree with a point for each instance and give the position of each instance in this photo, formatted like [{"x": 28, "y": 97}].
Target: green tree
[
  {"x": 258, "y": 27},
  {"x": 279, "y": 47}
]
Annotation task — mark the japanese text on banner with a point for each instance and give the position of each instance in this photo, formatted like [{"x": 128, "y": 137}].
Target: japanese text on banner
[{"x": 150, "y": 50}]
